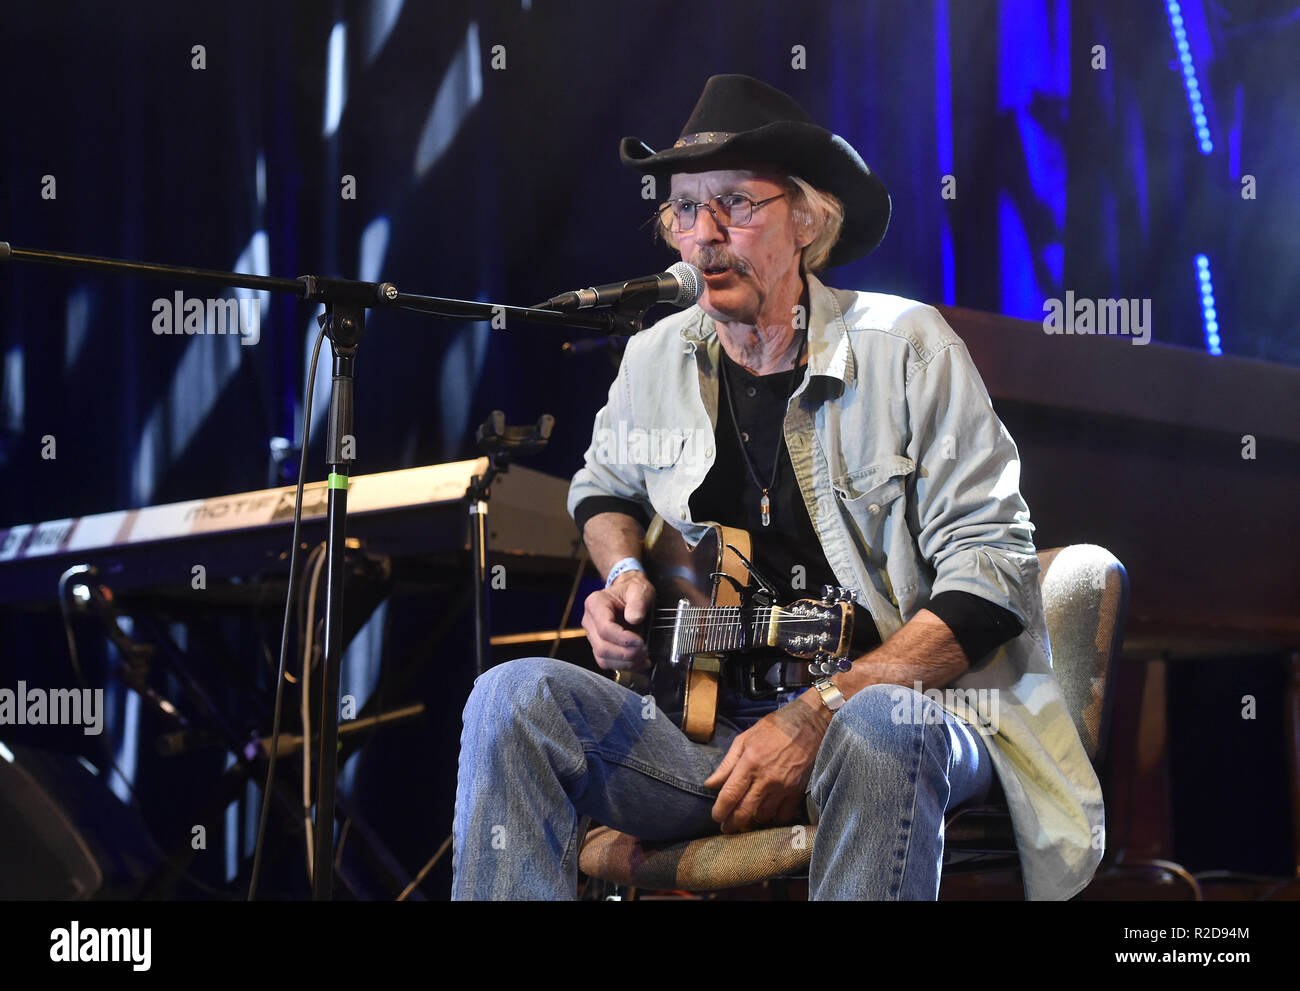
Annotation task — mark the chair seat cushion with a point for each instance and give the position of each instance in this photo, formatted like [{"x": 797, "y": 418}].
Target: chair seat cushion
[{"x": 707, "y": 864}]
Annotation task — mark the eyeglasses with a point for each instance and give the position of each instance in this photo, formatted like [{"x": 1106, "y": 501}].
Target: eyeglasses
[{"x": 729, "y": 210}]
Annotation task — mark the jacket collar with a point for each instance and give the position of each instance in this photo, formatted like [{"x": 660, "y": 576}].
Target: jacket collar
[{"x": 830, "y": 352}]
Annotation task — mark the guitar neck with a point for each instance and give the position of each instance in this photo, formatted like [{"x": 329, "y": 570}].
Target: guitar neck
[{"x": 721, "y": 629}]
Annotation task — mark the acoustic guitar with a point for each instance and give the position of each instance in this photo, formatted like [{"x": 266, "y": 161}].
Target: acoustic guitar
[{"x": 711, "y": 603}]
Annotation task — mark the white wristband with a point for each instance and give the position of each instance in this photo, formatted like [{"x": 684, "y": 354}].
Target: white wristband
[{"x": 627, "y": 564}]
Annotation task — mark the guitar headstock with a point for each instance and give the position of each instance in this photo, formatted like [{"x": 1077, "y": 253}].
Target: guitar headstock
[{"x": 812, "y": 630}]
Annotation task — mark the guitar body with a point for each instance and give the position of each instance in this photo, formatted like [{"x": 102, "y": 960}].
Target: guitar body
[
  {"x": 709, "y": 605},
  {"x": 690, "y": 684}
]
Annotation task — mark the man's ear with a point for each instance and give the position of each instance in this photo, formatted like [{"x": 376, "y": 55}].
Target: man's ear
[{"x": 804, "y": 235}]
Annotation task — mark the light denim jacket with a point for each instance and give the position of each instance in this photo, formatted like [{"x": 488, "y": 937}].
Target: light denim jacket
[{"x": 913, "y": 486}]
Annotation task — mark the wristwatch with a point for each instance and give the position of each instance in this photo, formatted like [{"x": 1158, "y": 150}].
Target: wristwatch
[{"x": 832, "y": 697}]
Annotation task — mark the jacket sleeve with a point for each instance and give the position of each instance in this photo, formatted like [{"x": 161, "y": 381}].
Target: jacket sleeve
[
  {"x": 607, "y": 470},
  {"x": 971, "y": 523}
]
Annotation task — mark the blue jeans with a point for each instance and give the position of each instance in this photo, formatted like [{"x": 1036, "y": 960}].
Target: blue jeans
[{"x": 546, "y": 743}]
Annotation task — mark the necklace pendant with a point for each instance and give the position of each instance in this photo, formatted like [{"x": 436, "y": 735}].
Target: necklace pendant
[{"x": 766, "y": 506}]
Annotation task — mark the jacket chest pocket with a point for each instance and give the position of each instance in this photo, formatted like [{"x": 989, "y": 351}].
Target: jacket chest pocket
[
  {"x": 869, "y": 496},
  {"x": 660, "y": 475}
]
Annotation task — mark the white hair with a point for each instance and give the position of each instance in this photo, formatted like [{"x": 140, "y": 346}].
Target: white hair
[{"x": 815, "y": 210}]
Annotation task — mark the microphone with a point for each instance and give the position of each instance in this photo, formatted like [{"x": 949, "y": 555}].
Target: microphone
[{"x": 680, "y": 285}]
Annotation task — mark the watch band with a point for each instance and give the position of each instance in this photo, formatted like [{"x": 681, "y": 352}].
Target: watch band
[{"x": 831, "y": 696}]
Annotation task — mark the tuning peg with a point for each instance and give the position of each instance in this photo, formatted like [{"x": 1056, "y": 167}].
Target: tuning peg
[
  {"x": 846, "y": 595},
  {"x": 822, "y": 665},
  {"x": 843, "y": 663},
  {"x": 828, "y": 594}
]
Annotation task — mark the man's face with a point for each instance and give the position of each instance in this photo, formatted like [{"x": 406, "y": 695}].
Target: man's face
[{"x": 744, "y": 267}]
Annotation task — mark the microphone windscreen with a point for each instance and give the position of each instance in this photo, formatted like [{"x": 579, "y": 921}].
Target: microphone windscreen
[{"x": 689, "y": 280}]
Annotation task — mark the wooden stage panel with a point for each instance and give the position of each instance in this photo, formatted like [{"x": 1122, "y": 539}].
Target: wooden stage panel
[{"x": 1139, "y": 448}]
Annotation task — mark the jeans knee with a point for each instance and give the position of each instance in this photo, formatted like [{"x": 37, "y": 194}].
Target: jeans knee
[
  {"x": 514, "y": 688},
  {"x": 523, "y": 713},
  {"x": 503, "y": 689}
]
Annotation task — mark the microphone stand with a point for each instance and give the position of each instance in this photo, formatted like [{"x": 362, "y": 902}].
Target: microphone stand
[{"x": 346, "y": 302}]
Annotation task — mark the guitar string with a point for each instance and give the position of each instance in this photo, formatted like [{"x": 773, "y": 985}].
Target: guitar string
[
  {"x": 728, "y": 628},
  {"x": 787, "y": 607},
  {"x": 673, "y": 609},
  {"x": 660, "y": 625},
  {"x": 694, "y": 625},
  {"x": 699, "y": 620},
  {"x": 664, "y": 621},
  {"x": 660, "y": 621},
  {"x": 722, "y": 633}
]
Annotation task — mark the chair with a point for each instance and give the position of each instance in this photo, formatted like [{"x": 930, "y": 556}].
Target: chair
[{"x": 1085, "y": 601}]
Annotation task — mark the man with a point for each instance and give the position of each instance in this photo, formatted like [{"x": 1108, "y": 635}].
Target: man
[{"x": 852, "y": 436}]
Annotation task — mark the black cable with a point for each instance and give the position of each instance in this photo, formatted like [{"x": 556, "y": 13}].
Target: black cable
[{"x": 288, "y": 615}]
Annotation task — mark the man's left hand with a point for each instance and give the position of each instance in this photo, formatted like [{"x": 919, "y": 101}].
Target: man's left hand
[{"x": 765, "y": 773}]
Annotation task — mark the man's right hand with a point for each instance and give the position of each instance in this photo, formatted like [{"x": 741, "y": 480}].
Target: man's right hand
[{"x": 611, "y": 617}]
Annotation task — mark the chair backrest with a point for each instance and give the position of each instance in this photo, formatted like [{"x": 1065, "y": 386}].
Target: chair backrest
[{"x": 1085, "y": 602}]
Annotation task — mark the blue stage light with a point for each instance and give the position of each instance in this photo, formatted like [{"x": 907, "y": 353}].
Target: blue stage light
[
  {"x": 1208, "y": 312},
  {"x": 1184, "y": 49}
]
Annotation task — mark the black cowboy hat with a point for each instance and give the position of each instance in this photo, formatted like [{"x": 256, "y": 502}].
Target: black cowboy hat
[{"x": 742, "y": 122}]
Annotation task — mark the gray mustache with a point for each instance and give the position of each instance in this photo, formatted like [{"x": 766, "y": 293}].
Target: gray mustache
[{"x": 713, "y": 259}]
